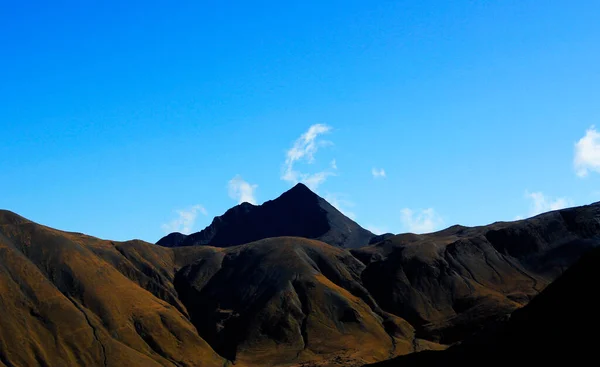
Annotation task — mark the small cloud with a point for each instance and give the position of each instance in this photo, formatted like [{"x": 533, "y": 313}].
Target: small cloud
[
  {"x": 241, "y": 190},
  {"x": 378, "y": 172},
  {"x": 304, "y": 149},
  {"x": 316, "y": 179},
  {"x": 541, "y": 204},
  {"x": 341, "y": 204},
  {"x": 587, "y": 153},
  {"x": 518, "y": 217},
  {"x": 186, "y": 218},
  {"x": 423, "y": 221},
  {"x": 376, "y": 230}
]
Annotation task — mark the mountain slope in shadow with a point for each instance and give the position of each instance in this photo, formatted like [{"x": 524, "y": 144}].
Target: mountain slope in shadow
[
  {"x": 558, "y": 326},
  {"x": 286, "y": 299},
  {"x": 298, "y": 212},
  {"x": 449, "y": 284}
]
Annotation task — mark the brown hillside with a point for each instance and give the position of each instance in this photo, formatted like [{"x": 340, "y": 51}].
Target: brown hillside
[
  {"x": 287, "y": 299},
  {"x": 68, "y": 299}
]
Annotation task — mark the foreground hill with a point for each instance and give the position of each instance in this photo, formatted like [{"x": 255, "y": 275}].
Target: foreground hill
[
  {"x": 68, "y": 299},
  {"x": 298, "y": 212},
  {"x": 559, "y": 326}
]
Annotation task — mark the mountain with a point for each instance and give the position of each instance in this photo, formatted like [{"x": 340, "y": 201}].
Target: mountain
[
  {"x": 288, "y": 299},
  {"x": 298, "y": 212},
  {"x": 451, "y": 283},
  {"x": 68, "y": 299},
  {"x": 559, "y": 326}
]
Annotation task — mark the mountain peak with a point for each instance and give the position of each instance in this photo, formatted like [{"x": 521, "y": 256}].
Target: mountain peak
[
  {"x": 299, "y": 192},
  {"x": 298, "y": 212},
  {"x": 300, "y": 187}
]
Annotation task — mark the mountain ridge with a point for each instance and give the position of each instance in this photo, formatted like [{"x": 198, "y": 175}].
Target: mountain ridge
[{"x": 278, "y": 301}]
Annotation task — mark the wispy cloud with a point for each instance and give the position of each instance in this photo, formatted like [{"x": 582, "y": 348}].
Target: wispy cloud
[
  {"x": 241, "y": 190},
  {"x": 422, "y": 221},
  {"x": 587, "y": 153},
  {"x": 186, "y": 218},
  {"x": 342, "y": 204},
  {"x": 376, "y": 229},
  {"x": 541, "y": 204},
  {"x": 378, "y": 172},
  {"x": 304, "y": 149}
]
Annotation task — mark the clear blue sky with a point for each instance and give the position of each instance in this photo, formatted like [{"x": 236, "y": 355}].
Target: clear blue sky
[{"x": 116, "y": 115}]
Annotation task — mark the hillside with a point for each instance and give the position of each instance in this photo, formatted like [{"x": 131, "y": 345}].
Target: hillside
[
  {"x": 450, "y": 283},
  {"x": 557, "y": 326},
  {"x": 70, "y": 299}
]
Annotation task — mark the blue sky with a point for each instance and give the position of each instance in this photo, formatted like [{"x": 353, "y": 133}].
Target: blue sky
[{"x": 130, "y": 119}]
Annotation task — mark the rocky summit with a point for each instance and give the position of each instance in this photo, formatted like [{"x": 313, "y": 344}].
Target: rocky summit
[{"x": 293, "y": 282}]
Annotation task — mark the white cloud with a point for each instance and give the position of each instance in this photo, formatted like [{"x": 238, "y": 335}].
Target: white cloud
[
  {"x": 541, "y": 204},
  {"x": 185, "y": 220},
  {"x": 377, "y": 229},
  {"x": 341, "y": 204},
  {"x": 423, "y": 221},
  {"x": 518, "y": 217},
  {"x": 316, "y": 179},
  {"x": 304, "y": 149},
  {"x": 241, "y": 190},
  {"x": 587, "y": 153},
  {"x": 378, "y": 172}
]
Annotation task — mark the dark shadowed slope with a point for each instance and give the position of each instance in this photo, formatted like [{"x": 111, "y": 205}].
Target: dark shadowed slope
[
  {"x": 450, "y": 283},
  {"x": 298, "y": 212},
  {"x": 558, "y": 327}
]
